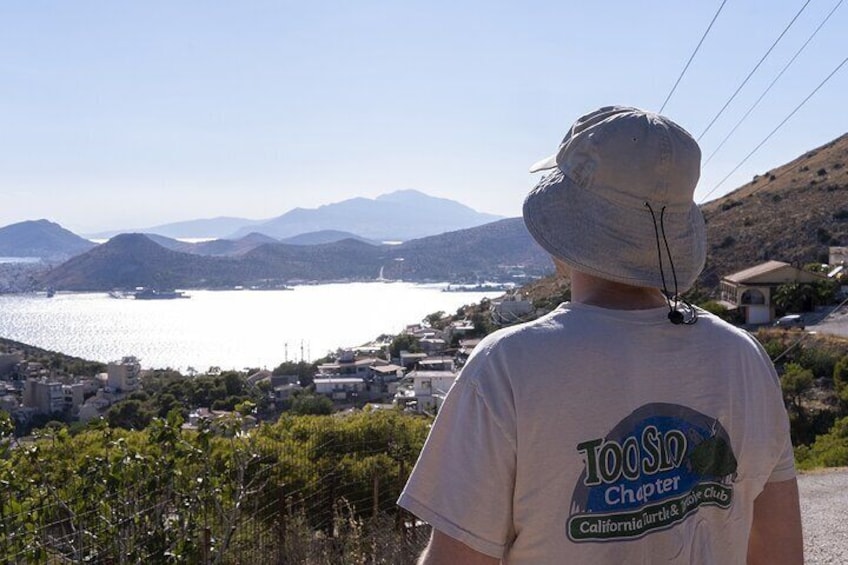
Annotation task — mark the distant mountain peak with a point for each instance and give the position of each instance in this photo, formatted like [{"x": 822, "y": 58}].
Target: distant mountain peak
[
  {"x": 403, "y": 194},
  {"x": 41, "y": 238},
  {"x": 401, "y": 215}
]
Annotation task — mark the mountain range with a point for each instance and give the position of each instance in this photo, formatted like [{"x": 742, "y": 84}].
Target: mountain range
[
  {"x": 398, "y": 216},
  {"x": 495, "y": 251},
  {"x": 792, "y": 213}
]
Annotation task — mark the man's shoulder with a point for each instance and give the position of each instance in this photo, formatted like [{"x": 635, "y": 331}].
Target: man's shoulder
[{"x": 721, "y": 328}]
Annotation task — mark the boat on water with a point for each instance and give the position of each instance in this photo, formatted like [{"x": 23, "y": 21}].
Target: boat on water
[
  {"x": 154, "y": 294},
  {"x": 481, "y": 287}
]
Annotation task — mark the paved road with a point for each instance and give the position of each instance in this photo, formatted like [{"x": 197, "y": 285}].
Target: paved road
[
  {"x": 835, "y": 323},
  {"x": 824, "y": 511}
]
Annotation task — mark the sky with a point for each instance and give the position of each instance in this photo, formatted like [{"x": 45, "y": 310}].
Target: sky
[{"x": 122, "y": 115}]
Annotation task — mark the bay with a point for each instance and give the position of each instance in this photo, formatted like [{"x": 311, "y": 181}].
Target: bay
[{"x": 228, "y": 329}]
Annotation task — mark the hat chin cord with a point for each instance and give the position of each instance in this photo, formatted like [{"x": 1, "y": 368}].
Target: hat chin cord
[{"x": 680, "y": 311}]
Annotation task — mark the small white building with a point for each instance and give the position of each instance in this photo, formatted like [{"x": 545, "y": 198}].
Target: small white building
[
  {"x": 510, "y": 309},
  {"x": 429, "y": 389},
  {"x": 340, "y": 388},
  {"x": 95, "y": 406},
  {"x": 409, "y": 360}
]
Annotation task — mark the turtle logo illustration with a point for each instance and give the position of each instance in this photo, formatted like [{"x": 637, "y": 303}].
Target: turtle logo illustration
[{"x": 713, "y": 457}]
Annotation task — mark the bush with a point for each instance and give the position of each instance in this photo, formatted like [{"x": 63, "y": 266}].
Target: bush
[
  {"x": 311, "y": 404},
  {"x": 819, "y": 361},
  {"x": 828, "y": 450},
  {"x": 727, "y": 242}
]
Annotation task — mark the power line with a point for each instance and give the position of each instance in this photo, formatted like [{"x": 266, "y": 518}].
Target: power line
[
  {"x": 709, "y": 27},
  {"x": 757, "y": 66},
  {"x": 786, "y": 119},
  {"x": 766, "y": 91}
]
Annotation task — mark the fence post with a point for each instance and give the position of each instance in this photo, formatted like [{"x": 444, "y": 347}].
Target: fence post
[
  {"x": 205, "y": 545},
  {"x": 281, "y": 524},
  {"x": 376, "y": 496}
]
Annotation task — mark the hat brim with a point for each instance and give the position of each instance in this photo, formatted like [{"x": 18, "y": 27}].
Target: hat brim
[
  {"x": 545, "y": 164},
  {"x": 615, "y": 241}
]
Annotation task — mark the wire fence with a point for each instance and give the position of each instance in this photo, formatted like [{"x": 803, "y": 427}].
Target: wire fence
[{"x": 326, "y": 497}]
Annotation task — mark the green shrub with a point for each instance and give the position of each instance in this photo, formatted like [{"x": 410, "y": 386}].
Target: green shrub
[{"x": 828, "y": 450}]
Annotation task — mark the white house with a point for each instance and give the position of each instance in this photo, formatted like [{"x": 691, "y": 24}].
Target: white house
[
  {"x": 753, "y": 289},
  {"x": 340, "y": 388},
  {"x": 429, "y": 388},
  {"x": 510, "y": 309}
]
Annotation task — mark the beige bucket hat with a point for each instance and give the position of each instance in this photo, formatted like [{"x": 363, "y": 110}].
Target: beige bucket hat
[{"x": 619, "y": 202}]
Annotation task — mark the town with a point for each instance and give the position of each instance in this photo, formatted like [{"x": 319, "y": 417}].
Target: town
[{"x": 413, "y": 370}]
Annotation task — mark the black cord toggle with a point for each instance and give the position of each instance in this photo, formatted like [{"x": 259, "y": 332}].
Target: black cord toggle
[{"x": 681, "y": 312}]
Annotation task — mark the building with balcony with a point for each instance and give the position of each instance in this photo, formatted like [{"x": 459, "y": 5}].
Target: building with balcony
[
  {"x": 123, "y": 375},
  {"x": 45, "y": 396}
]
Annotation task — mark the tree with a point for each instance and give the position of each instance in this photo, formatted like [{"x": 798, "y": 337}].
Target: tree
[
  {"x": 233, "y": 383},
  {"x": 840, "y": 381},
  {"x": 795, "y": 383},
  {"x": 825, "y": 291},
  {"x": 793, "y": 297},
  {"x": 403, "y": 342},
  {"x": 7, "y": 432},
  {"x": 305, "y": 371},
  {"x": 311, "y": 404},
  {"x": 803, "y": 297},
  {"x": 436, "y": 319},
  {"x": 129, "y": 414}
]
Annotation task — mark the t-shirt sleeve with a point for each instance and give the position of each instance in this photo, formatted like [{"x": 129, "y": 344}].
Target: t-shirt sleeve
[
  {"x": 785, "y": 468},
  {"x": 462, "y": 484}
]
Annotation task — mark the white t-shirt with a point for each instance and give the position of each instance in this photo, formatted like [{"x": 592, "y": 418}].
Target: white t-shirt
[{"x": 605, "y": 436}]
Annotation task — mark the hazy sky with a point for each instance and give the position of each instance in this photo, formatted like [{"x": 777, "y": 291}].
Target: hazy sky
[{"x": 117, "y": 114}]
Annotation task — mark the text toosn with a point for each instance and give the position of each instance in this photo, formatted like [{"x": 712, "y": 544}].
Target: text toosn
[{"x": 609, "y": 460}]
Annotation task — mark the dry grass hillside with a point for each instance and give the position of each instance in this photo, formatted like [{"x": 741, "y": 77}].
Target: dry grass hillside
[{"x": 791, "y": 213}]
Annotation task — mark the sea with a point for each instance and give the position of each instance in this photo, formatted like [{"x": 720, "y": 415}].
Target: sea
[{"x": 229, "y": 329}]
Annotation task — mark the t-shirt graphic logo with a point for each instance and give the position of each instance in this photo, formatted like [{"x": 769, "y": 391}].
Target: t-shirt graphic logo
[{"x": 655, "y": 468}]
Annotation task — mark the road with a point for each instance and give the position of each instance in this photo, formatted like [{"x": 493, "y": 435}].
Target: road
[
  {"x": 835, "y": 323},
  {"x": 824, "y": 499}
]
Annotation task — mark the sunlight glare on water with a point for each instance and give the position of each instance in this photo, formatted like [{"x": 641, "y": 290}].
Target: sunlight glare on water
[{"x": 229, "y": 329}]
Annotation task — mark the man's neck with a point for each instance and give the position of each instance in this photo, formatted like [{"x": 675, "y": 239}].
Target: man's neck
[{"x": 588, "y": 289}]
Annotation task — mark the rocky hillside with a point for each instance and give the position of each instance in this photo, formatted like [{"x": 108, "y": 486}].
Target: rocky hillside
[{"x": 791, "y": 213}]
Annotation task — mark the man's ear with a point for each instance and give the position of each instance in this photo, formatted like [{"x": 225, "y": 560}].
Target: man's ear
[{"x": 562, "y": 269}]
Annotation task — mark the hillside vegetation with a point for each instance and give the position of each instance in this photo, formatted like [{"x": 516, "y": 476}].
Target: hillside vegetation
[{"x": 791, "y": 213}]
